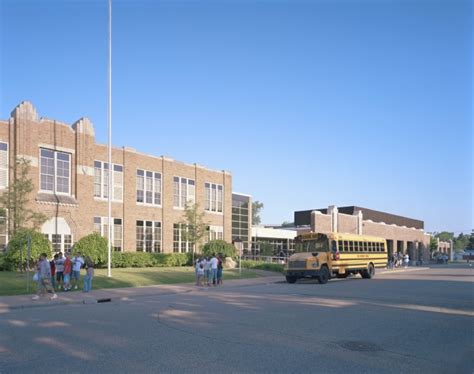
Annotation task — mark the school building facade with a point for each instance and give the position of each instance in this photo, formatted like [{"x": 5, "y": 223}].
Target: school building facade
[
  {"x": 70, "y": 173},
  {"x": 403, "y": 234}
]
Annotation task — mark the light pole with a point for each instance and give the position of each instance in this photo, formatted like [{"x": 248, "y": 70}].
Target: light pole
[{"x": 109, "y": 123}]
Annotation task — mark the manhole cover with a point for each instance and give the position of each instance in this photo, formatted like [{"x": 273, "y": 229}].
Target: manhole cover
[{"x": 360, "y": 346}]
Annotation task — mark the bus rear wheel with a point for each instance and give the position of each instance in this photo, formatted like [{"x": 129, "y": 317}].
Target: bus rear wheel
[
  {"x": 323, "y": 275},
  {"x": 291, "y": 279},
  {"x": 369, "y": 272}
]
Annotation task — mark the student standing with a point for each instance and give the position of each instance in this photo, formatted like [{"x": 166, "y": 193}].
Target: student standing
[
  {"x": 59, "y": 262},
  {"x": 67, "y": 272},
  {"x": 214, "y": 263},
  {"x": 77, "y": 263},
  {"x": 89, "y": 274},
  {"x": 52, "y": 264}
]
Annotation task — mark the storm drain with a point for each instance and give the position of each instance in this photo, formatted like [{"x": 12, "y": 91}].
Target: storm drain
[{"x": 360, "y": 346}]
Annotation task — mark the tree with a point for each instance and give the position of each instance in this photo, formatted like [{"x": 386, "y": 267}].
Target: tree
[
  {"x": 471, "y": 241},
  {"x": 15, "y": 199},
  {"x": 266, "y": 249},
  {"x": 445, "y": 236},
  {"x": 93, "y": 245},
  {"x": 257, "y": 207},
  {"x": 16, "y": 255},
  {"x": 195, "y": 227},
  {"x": 287, "y": 224},
  {"x": 461, "y": 242},
  {"x": 433, "y": 244},
  {"x": 219, "y": 247}
]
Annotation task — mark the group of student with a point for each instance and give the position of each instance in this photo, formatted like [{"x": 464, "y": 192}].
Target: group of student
[
  {"x": 62, "y": 273},
  {"x": 398, "y": 260},
  {"x": 209, "y": 270}
]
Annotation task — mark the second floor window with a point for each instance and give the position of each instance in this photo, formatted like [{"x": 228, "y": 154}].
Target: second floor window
[
  {"x": 55, "y": 171},
  {"x": 214, "y": 197},
  {"x": 148, "y": 187},
  {"x": 183, "y": 192},
  {"x": 101, "y": 181},
  {"x": 3, "y": 165}
]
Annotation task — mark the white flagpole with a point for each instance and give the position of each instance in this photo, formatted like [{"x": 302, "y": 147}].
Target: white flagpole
[{"x": 109, "y": 123}]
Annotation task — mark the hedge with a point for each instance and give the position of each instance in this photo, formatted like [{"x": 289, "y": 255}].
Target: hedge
[
  {"x": 145, "y": 259},
  {"x": 93, "y": 245},
  {"x": 249, "y": 264}
]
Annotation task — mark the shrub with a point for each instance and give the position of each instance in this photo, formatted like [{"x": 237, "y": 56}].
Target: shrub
[
  {"x": 145, "y": 259},
  {"x": 4, "y": 265},
  {"x": 93, "y": 245},
  {"x": 249, "y": 264},
  {"x": 15, "y": 257},
  {"x": 218, "y": 246}
]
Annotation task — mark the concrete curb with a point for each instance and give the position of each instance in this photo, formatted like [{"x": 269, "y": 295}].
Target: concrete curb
[{"x": 396, "y": 271}]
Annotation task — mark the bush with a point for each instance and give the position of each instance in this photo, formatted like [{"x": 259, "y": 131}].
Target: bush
[
  {"x": 249, "y": 264},
  {"x": 15, "y": 257},
  {"x": 145, "y": 259},
  {"x": 93, "y": 245},
  {"x": 4, "y": 265},
  {"x": 218, "y": 246}
]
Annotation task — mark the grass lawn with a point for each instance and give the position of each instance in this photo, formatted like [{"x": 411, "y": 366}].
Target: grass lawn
[{"x": 13, "y": 283}]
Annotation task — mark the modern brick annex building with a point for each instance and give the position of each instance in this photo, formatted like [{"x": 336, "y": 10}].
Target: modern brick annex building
[
  {"x": 403, "y": 234},
  {"x": 70, "y": 174}
]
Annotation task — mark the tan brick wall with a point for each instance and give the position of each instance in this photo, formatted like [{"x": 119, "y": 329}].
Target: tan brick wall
[
  {"x": 25, "y": 134},
  {"x": 347, "y": 223}
]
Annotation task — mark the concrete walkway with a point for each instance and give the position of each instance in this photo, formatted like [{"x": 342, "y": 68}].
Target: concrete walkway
[{"x": 9, "y": 303}]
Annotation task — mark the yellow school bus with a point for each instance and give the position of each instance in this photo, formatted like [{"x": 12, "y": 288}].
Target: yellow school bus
[{"x": 324, "y": 256}]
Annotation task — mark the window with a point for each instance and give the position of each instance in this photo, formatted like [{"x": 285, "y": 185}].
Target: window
[
  {"x": 56, "y": 241},
  {"x": 55, "y": 171},
  {"x": 180, "y": 244},
  {"x": 148, "y": 187},
  {"x": 382, "y": 247},
  {"x": 351, "y": 246},
  {"x": 216, "y": 233},
  {"x": 341, "y": 246},
  {"x": 3, "y": 230},
  {"x": 214, "y": 197},
  {"x": 67, "y": 243},
  {"x": 183, "y": 192},
  {"x": 361, "y": 246},
  {"x": 101, "y": 181},
  {"x": 101, "y": 226},
  {"x": 3, "y": 165},
  {"x": 148, "y": 235}
]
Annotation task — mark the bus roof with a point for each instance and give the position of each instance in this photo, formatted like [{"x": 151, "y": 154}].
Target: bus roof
[{"x": 342, "y": 236}]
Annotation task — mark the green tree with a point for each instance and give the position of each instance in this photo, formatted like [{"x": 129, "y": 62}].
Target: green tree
[
  {"x": 461, "y": 242},
  {"x": 15, "y": 199},
  {"x": 445, "y": 236},
  {"x": 257, "y": 207},
  {"x": 219, "y": 247},
  {"x": 93, "y": 245},
  {"x": 470, "y": 245},
  {"x": 196, "y": 228},
  {"x": 287, "y": 224},
  {"x": 433, "y": 244},
  {"x": 16, "y": 255},
  {"x": 266, "y": 249}
]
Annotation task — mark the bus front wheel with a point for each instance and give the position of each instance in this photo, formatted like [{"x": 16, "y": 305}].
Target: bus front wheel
[
  {"x": 323, "y": 275},
  {"x": 291, "y": 279}
]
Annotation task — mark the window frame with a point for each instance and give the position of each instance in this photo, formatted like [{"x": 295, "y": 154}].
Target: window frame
[
  {"x": 55, "y": 171},
  {"x": 153, "y": 187},
  {"x": 103, "y": 172}
]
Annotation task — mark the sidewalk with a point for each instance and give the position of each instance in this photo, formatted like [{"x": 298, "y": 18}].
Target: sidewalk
[
  {"x": 9, "y": 303},
  {"x": 402, "y": 270}
]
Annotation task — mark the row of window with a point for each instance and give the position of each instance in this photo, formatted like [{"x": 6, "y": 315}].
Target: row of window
[
  {"x": 356, "y": 246},
  {"x": 55, "y": 171}
]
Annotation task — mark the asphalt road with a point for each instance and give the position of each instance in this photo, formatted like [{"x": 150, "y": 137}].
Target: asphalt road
[{"x": 412, "y": 322}]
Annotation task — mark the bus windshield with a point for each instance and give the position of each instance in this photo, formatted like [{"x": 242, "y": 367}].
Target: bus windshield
[{"x": 313, "y": 245}]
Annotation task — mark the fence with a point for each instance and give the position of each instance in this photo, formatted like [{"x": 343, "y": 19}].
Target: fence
[{"x": 267, "y": 259}]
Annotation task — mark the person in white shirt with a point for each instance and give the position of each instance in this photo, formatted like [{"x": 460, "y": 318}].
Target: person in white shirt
[
  {"x": 77, "y": 263},
  {"x": 214, "y": 261},
  {"x": 406, "y": 259}
]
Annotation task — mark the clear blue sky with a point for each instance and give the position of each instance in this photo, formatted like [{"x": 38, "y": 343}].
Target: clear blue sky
[{"x": 307, "y": 103}]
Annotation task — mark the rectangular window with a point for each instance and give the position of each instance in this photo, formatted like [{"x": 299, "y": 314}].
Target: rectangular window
[
  {"x": 3, "y": 230},
  {"x": 56, "y": 242},
  {"x": 148, "y": 187},
  {"x": 101, "y": 181},
  {"x": 214, "y": 194},
  {"x": 341, "y": 246},
  {"x": 3, "y": 165},
  {"x": 179, "y": 239},
  {"x": 148, "y": 236},
  {"x": 101, "y": 226},
  {"x": 183, "y": 192},
  {"x": 54, "y": 172},
  {"x": 216, "y": 233},
  {"x": 67, "y": 243}
]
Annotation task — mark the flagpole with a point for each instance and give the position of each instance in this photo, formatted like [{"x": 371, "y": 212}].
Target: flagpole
[{"x": 109, "y": 124}]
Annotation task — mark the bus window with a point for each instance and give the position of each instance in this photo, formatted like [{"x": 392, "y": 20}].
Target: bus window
[
  {"x": 351, "y": 246},
  {"x": 369, "y": 246},
  {"x": 382, "y": 247},
  {"x": 334, "y": 246},
  {"x": 361, "y": 247},
  {"x": 341, "y": 246},
  {"x": 378, "y": 247},
  {"x": 356, "y": 246},
  {"x": 346, "y": 245}
]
